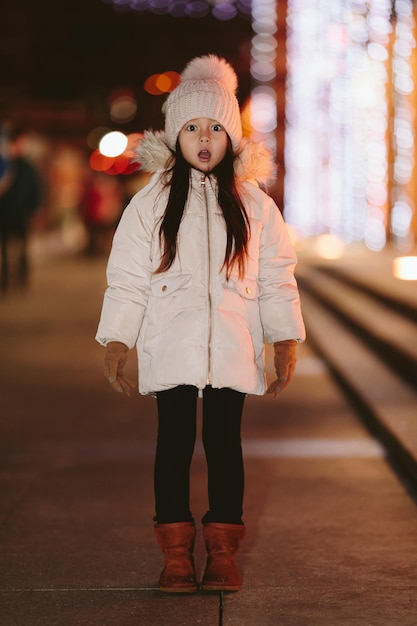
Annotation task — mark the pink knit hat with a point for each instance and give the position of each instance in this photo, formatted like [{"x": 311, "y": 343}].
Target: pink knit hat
[{"x": 207, "y": 89}]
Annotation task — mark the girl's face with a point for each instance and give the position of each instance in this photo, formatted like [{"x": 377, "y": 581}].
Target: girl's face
[{"x": 203, "y": 143}]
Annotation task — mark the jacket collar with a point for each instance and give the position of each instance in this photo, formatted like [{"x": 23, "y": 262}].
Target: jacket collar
[{"x": 254, "y": 162}]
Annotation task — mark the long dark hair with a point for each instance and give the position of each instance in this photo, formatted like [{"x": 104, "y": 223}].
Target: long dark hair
[{"x": 230, "y": 202}]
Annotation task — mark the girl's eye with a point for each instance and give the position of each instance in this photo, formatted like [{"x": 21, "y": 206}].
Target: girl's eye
[
  {"x": 217, "y": 127},
  {"x": 191, "y": 127}
]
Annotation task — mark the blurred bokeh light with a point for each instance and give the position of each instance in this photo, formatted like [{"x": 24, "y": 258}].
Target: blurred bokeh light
[
  {"x": 158, "y": 84},
  {"x": 405, "y": 268},
  {"x": 329, "y": 85},
  {"x": 350, "y": 117},
  {"x": 222, "y": 10},
  {"x": 113, "y": 144}
]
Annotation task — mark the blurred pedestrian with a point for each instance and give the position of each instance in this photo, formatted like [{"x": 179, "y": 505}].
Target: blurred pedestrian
[
  {"x": 200, "y": 275},
  {"x": 102, "y": 206},
  {"x": 20, "y": 197}
]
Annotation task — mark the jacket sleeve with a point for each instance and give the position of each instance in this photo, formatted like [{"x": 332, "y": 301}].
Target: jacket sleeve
[
  {"x": 279, "y": 300},
  {"x": 129, "y": 271}
]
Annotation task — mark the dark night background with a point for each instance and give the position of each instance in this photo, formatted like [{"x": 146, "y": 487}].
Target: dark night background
[{"x": 61, "y": 59}]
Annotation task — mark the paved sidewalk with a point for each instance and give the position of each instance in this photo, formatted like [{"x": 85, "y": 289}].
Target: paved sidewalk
[{"x": 331, "y": 530}]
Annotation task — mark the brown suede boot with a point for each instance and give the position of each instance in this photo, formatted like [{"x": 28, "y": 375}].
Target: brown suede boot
[
  {"x": 177, "y": 543},
  {"x": 222, "y": 542}
]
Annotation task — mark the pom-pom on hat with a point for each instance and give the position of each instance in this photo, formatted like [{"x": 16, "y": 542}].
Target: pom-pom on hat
[{"x": 207, "y": 89}]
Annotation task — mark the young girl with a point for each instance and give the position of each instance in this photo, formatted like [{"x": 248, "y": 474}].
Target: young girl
[{"x": 200, "y": 275}]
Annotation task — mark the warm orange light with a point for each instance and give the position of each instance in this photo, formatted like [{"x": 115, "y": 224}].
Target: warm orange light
[
  {"x": 158, "y": 84},
  {"x": 120, "y": 164},
  {"x": 99, "y": 162},
  {"x": 130, "y": 168},
  {"x": 150, "y": 85},
  {"x": 123, "y": 163},
  {"x": 163, "y": 83},
  {"x": 174, "y": 78}
]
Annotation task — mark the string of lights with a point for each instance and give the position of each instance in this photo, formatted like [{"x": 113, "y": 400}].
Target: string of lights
[
  {"x": 222, "y": 10},
  {"x": 403, "y": 134},
  {"x": 263, "y": 105}
]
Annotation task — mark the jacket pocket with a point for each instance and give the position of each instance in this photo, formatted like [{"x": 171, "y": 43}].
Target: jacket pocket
[
  {"x": 247, "y": 288},
  {"x": 241, "y": 303},
  {"x": 163, "y": 286},
  {"x": 170, "y": 297}
]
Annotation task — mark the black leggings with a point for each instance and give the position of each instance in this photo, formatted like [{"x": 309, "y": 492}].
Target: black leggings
[{"x": 222, "y": 413}]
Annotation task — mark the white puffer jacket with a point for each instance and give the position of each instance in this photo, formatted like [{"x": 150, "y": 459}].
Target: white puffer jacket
[{"x": 190, "y": 325}]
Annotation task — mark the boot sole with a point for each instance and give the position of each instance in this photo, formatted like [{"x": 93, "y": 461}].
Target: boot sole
[{"x": 178, "y": 589}]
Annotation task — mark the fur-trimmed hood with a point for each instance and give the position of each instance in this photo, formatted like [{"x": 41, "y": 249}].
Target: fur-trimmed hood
[{"x": 254, "y": 161}]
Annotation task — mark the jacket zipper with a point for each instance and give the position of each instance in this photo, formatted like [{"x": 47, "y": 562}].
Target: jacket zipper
[{"x": 203, "y": 185}]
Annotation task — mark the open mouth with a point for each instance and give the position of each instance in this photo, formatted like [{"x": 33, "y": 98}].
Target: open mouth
[{"x": 204, "y": 155}]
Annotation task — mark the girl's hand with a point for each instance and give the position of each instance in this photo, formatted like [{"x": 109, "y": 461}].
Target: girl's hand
[
  {"x": 114, "y": 362},
  {"x": 284, "y": 362}
]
